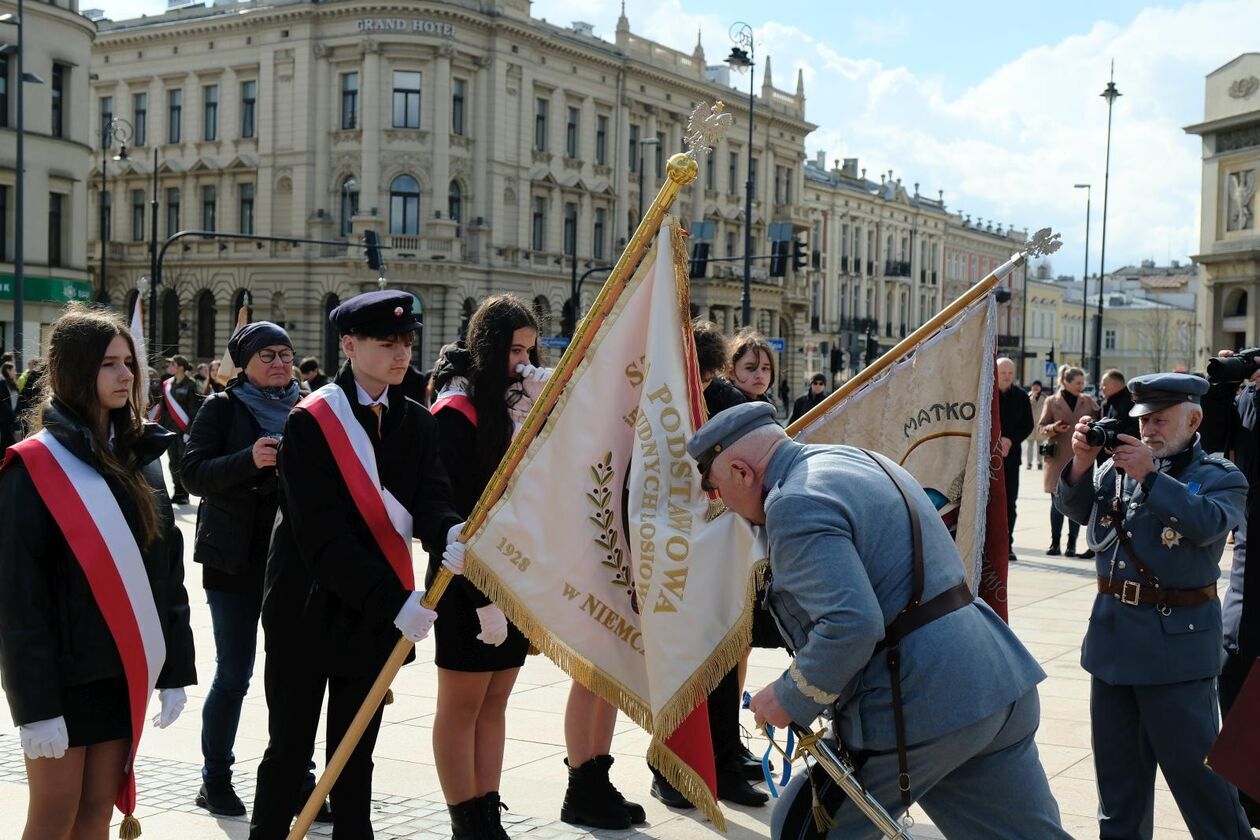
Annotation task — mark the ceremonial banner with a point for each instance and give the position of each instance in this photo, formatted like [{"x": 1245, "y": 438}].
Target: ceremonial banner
[
  {"x": 142, "y": 353},
  {"x": 601, "y": 549},
  {"x": 933, "y": 413}
]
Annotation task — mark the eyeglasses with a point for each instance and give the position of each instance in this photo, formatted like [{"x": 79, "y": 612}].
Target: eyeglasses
[{"x": 269, "y": 356}]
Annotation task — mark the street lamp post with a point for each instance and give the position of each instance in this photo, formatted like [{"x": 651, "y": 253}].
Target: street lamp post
[
  {"x": 741, "y": 59},
  {"x": 1085, "y": 276},
  {"x": 651, "y": 141},
  {"x": 115, "y": 129},
  {"x": 1110, "y": 93},
  {"x": 153, "y": 247}
]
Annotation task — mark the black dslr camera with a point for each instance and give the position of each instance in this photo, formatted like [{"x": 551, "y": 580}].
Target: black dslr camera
[
  {"x": 1103, "y": 433},
  {"x": 1235, "y": 368}
]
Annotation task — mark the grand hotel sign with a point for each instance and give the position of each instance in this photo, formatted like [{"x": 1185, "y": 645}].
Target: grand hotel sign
[{"x": 416, "y": 26}]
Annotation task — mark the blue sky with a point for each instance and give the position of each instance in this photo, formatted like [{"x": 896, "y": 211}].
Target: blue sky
[{"x": 995, "y": 103}]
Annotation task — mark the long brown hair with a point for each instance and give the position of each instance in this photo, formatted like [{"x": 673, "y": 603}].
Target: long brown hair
[
  {"x": 746, "y": 341},
  {"x": 490, "y": 332},
  {"x": 76, "y": 348}
]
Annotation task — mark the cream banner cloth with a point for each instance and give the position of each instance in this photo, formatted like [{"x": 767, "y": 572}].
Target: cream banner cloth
[
  {"x": 931, "y": 413},
  {"x": 601, "y": 550}
]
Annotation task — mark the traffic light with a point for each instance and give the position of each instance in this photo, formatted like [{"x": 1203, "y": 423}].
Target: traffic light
[
  {"x": 837, "y": 360},
  {"x": 567, "y": 324},
  {"x": 1050, "y": 355},
  {"x": 778, "y": 258},
  {"x": 372, "y": 244},
  {"x": 699, "y": 259},
  {"x": 798, "y": 255}
]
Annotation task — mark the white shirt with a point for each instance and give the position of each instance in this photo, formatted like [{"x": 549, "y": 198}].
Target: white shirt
[{"x": 365, "y": 399}]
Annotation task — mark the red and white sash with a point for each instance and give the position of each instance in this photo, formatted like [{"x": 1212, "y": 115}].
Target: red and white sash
[
  {"x": 173, "y": 408},
  {"x": 352, "y": 450},
  {"x": 457, "y": 400},
  {"x": 93, "y": 525}
]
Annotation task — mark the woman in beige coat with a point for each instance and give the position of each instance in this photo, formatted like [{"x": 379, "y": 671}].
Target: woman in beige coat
[{"x": 1059, "y": 415}]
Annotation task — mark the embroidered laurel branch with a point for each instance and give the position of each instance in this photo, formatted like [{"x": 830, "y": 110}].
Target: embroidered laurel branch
[{"x": 600, "y": 497}]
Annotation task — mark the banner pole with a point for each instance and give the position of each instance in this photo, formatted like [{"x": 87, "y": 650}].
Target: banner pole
[
  {"x": 682, "y": 170},
  {"x": 908, "y": 343}
]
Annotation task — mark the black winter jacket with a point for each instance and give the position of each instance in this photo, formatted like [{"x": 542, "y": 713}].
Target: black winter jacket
[
  {"x": 52, "y": 634},
  {"x": 238, "y": 500},
  {"x": 329, "y": 587}
]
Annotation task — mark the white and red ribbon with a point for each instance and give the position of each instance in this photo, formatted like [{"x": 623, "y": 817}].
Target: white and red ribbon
[
  {"x": 173, "y": 408},
  {"x": 97, "y": 533},
  {"x": 387, "y": 518}
]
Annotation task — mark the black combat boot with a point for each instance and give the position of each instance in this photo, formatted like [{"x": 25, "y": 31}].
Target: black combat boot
[
  {"x": 489, "y": 806},
  {"x": 466, "y": 821},
  {"x": 220, "y": 798},
  {"x": 588, "y": 801},
  {"x": 634, "y": 809}
]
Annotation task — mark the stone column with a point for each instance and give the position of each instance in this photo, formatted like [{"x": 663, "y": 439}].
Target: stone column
[
  {"x": 480, "y": 202},
  {"x": 375, "y": 86},
  {"x": 320, "y": 123},
  {"x": 440, "y": 134}
]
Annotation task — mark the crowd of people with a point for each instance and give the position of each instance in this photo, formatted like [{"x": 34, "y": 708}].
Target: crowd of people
[{"x": 311, "y": 489}]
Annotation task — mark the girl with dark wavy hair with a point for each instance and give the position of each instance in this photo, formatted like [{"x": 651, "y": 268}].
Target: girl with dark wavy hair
[
  {"x": 75, "y": 689},
  {"x": 485, "y": 389}
]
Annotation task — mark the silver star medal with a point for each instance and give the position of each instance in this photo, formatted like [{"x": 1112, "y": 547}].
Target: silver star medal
[{"x": 1170, "y": 538}]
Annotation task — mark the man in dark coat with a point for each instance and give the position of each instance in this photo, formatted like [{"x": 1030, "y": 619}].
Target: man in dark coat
[
  {"x": 183, "y": 390},
  {"x": 1117, "y": 403},
  {"x": 1017, "y": 424},
  {"x": 817, "y": 391}
]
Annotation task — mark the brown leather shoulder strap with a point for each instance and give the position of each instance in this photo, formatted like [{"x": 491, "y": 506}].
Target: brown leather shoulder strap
[{"x": 916, "y": 533}]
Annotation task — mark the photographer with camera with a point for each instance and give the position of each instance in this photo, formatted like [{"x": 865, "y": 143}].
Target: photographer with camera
[
  {"x": 231, "y": 464},
  {"x": 1239, "y": 435},
  {"x": 1061, "y": 412},
  {"x": 1158, "y": 513}
]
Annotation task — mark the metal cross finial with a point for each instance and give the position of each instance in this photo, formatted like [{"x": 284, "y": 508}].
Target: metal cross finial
[
  {"x": 706, "y": 126},
  {"x": 1044, "y": 242}
]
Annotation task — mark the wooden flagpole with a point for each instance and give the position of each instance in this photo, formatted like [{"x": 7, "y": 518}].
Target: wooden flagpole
[
  {"x": 682, "y": 170},
  {"x": 1042, "y": 243}
]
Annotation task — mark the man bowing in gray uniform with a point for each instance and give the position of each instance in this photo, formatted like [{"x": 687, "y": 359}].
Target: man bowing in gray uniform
[
  {"x": 1158, "y": 513},
  {"x": 925, "y": 684}
]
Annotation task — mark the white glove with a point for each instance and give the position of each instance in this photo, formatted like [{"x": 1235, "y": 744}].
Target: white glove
[
  {"x": 452, "y": 534},
  {"x": 533, "y": 379},
  {"x": 494, "y": 626},
  {"x": 414, "y": 620},
  {"x": 453, "y": 558},
  {"x": 45, "y": 738},
  {"x": 172, "y": 700}
]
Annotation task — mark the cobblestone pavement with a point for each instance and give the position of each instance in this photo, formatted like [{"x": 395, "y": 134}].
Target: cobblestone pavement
[{"x": 1049, "y": 599}]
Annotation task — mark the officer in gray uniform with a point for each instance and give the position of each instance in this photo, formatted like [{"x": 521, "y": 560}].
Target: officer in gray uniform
[
  {"x": 941, "y": 692},
  {"x": 1158, "y": 513}
]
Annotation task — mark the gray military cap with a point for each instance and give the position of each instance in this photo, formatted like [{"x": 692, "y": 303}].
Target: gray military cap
[
  {"x": 1156, "y": 391},
  {"x": 725, "y": 429}
]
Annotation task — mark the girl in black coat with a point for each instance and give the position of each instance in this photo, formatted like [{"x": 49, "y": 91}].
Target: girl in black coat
[
  {"x": 62, "y": 672},
  {"x": 479, "y": 653}
]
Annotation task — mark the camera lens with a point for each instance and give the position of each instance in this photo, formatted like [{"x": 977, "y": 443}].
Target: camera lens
[{"x": 1231, "y": 369}]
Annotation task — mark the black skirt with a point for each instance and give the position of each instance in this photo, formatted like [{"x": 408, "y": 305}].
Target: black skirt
[
  {"x": 459, "y": 649},
  {"x": 96, "y": 712}
]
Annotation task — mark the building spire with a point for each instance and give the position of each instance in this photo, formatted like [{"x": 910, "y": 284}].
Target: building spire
[
  {"x": 800, "y": 83},
  {"x": 767, "y": 83},
  {"x": 697, "y": 54},
  {"x": 623, "y": 27}
]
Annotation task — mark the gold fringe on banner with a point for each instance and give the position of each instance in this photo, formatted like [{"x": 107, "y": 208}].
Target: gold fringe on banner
[{"x": 686, "y": 781}]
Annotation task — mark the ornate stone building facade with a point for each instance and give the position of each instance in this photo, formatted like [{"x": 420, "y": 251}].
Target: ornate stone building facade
[
  {"x": 488, "y": 149},
  {"x": 58, "y": 151},
  {"x": 887, "y": 260},
  {"x": 1229, "y": 250}
]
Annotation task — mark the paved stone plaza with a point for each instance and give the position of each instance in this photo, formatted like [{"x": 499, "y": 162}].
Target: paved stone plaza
[{"x": 1050, "y": 600}]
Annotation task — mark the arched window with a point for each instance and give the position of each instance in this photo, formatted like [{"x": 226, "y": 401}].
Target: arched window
[
  {"x": 404, "y": 206},
  {"x": 455, "y": 206},
  {"x": 206, "y": 345},
  {"x": 170, "y": 321},
  {"x": 330, "y": 343},
  {"x": 349, "y": 203}
]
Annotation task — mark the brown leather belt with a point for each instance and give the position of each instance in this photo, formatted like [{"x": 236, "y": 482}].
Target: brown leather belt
[{"x": 1133, "y": 593}]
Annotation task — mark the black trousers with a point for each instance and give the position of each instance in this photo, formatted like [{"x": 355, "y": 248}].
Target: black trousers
[
  {"x": 295, "y": 688},
  {"x": 1011, "y": 469},
  {"x": 724, "y": 705},
  {"x": 1230, "y": 682}
]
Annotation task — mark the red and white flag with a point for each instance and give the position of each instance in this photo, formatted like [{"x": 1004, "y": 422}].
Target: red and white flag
[
  {"x": 388, "y": 519},
  {"x": 935, "y": 413},
  {"x": 605, "y": 551},
  {"x": 88, "y": 516},
  {"x": 142, "y": 353}
]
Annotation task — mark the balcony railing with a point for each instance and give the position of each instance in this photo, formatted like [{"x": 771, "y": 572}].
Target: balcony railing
[{"x": 425, "y": 248}]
